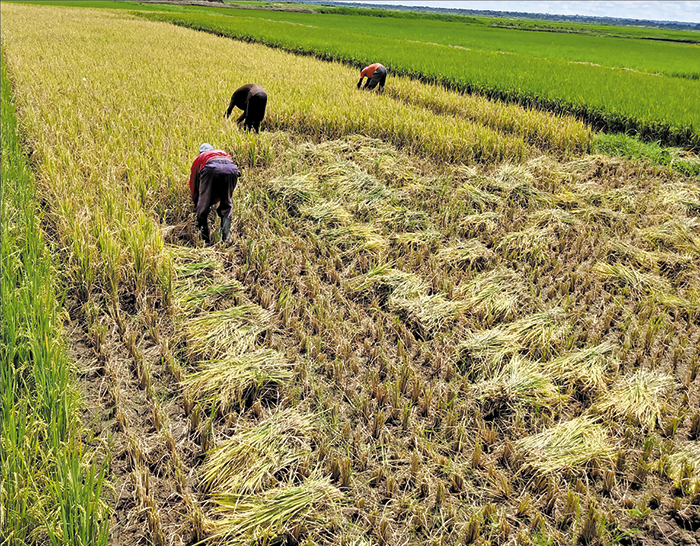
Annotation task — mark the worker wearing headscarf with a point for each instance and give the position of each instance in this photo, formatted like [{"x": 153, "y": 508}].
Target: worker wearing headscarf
[{"x": 213, "y": 177}]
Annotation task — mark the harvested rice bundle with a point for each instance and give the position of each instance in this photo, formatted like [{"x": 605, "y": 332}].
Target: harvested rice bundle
[
  {"x": 629, "y": 277},
  {"x": 683, "y": 468},
  {"x": 228, "y": 382},
  {"x": 227, "y": 332},
  {"x": 567, "y": 445},
  {"x": 520, "y": 382},
  {"x": 294, "y": 191},
  {"x": 471, "y": 253},
  {"x": 588, "y": 367},
  {"x": 384, "y": 281},
  {"x": 641, "y": 397},
  {"x": 496, "y": 294},
  {"x": 481, "y": 354},
  {"x": 289, "y": 508},
  {"x": 253, "y": 459},
  {"x": 431, "y": 313},
  {"x": 328, "y": 213}
]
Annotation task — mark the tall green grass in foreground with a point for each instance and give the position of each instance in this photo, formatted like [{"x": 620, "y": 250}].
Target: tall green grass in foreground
[{"x": 50, "y": 482}]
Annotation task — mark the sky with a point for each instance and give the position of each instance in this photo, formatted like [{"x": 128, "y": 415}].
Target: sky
[{"x": 688, "y": 12}]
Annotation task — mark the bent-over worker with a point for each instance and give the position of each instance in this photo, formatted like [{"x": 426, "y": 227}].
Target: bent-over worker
[
  {"x": 252, "y": 99},
  {"x": 375, "y": 74},
  {"x": 213, "y": 178}
]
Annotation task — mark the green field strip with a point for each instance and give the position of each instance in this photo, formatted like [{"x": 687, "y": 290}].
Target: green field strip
[
  {"x": 50, "y": 480},
  {"x": 533, "y": 25},
  {"x": 668, "y": 58}
]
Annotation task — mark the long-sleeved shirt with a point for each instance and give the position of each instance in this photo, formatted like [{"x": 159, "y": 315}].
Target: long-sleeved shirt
[{"x": 199, "y": 162}]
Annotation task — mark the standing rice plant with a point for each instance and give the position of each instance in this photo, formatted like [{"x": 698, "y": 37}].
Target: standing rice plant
[
  {"x": 51, "y": 480},
  {"x": 562, "y": 134}
]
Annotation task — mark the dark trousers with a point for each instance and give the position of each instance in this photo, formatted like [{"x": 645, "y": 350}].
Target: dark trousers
[
  {"x": 378, "y": 78},
  {"x": 255, "y": 111},
  {"x": 217, "y": 180}
]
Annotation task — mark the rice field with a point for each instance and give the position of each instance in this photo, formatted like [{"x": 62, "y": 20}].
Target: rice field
[
  {"x": 606, "y": 83},
  {"x": 440, "y": 319}
]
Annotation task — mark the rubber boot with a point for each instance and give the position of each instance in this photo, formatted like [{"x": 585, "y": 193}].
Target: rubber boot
[{"x": 225, "y": 229}]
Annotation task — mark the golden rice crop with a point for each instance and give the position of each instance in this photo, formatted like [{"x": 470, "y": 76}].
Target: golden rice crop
[
  {"x": 390, "y": 300},
  {"x": 561, "y": 133}
]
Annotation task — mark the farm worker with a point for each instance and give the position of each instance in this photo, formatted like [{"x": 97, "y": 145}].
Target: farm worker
[
  {"x": 213, "y": 178},
  {"x": 375, "y": 74},
  {"x": 252, "y": 99}
]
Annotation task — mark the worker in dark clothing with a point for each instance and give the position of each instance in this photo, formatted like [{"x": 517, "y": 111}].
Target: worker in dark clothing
[
  {"x": 213, "y": 178},
  {"x": 375, "y": 74},
  {"x": 250, "y": 98}
]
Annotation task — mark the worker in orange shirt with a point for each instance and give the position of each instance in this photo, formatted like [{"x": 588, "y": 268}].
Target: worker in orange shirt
[{"x": 375, "y": 74}]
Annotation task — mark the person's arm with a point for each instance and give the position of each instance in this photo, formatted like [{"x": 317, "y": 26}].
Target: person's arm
[
  {"x": 360, "y": 82},
  {"x": 194, "y": 182},
  {"x": 236, "y": 100},
  {"x": 231, "y": 106}
]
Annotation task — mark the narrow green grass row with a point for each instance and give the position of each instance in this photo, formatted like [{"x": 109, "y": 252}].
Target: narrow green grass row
[
  {"x": 621, "y": 145},
  {"x": 50, "y": 482},
  {"x": 657, "y": 108}
]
